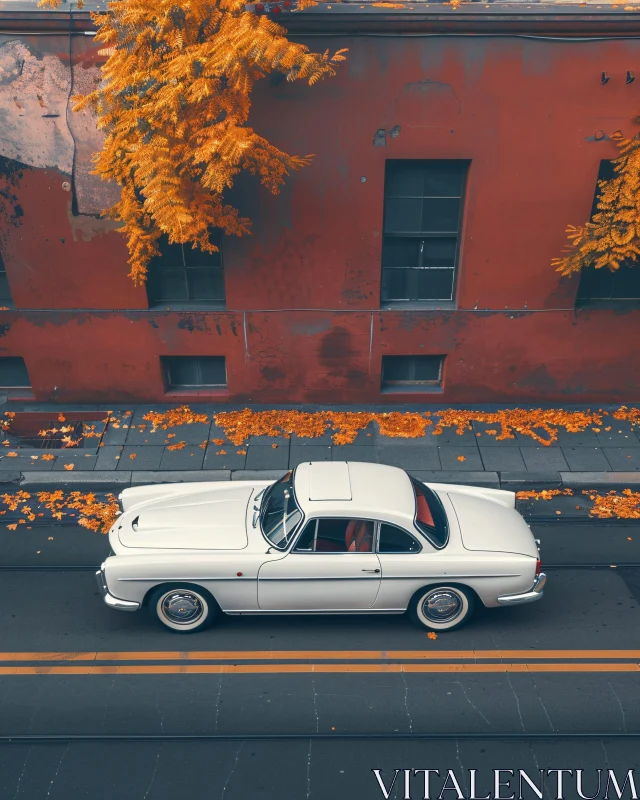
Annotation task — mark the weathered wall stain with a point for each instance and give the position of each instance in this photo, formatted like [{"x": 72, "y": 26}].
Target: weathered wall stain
[
  {"x": 314, "y": 259},
  {"x": 194, "y": 322}
]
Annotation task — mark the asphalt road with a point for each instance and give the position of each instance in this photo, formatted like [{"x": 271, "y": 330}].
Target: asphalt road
[
  {"x": 71, "y": 667},
  {"x": 304, "y": 675},
  {"x": 303, "y": 769}
]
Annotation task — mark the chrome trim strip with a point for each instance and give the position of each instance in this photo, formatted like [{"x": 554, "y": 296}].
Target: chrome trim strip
[
  {"x": 535, "y": 593},
  {"x": 442, "y": 577},
  {"x": 109, "y": 599},
  {"x": 175, "y": 578},
  {"x": 327, "y": 578},
  {"x": 334, "y": 578},
  {"x": 320, "y": 611}
]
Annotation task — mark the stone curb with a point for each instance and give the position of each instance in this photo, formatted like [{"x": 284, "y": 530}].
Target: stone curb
[{"x": 506, "y": 480}]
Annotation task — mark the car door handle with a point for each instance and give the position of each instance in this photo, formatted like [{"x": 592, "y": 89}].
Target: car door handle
[{"x": 371, "y": 570}]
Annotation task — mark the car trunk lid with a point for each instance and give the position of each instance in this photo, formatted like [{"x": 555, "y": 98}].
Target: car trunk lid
[{"x": 492, "y": 527}]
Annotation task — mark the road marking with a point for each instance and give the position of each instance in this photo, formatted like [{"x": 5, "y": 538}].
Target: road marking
[
  {"x": 313, "y": 655},
  {"x": 237, "y": 669}
]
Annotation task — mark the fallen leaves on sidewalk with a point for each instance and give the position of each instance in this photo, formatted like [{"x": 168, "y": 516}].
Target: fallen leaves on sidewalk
[{"x": 182, "y": 415}]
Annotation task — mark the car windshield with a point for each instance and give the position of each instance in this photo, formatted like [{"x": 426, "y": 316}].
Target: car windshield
[
  {"x": 431, "y": 517},
  {"x": 279, "y": 513}
]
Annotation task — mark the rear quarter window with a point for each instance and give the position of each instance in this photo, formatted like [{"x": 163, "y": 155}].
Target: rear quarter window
[{"x": 431, "y": 518}]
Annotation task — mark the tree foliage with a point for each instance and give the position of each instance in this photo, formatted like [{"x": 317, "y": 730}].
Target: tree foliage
[
  {"x": 174, "y": 103},
  {"x": 613, "y": 234}
]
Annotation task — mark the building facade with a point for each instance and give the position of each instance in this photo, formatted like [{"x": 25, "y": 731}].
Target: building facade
[{"x": 409, "y": 263}]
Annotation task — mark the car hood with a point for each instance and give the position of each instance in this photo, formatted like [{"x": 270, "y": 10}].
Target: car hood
[
  {"x": 490, "y": 526},
  {"x": 195, "y": 521}
]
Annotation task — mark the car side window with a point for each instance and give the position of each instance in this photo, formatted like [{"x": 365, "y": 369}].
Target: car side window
[
  {"x": 396, "y": 540},
  {"x": 336, "y": 536}
]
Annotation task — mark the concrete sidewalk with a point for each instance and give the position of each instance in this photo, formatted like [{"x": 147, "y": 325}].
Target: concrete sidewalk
[{"x": 126, "y": 451}]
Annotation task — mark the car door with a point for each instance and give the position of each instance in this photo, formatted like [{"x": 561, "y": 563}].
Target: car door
[
  {"x": 332, "y": 567},
  {"x": 405, "y": 563}
]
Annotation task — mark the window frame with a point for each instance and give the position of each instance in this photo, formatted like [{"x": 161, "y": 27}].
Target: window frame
[
  {"x": 422, "y": 236},
  {"x": 605, "y": 173},
  {"x": 28, "y": 387},
  {"x": 376, "y": 538},
  {"x": 183, "y": 387},
  {"x": 3, "y": 271},
  {"x": 389, "y": 387},
  {"x": 298, "y": 528},
  {"x": 404, "y": 530},
  {"x": 439, "y": 509},
  {"x": 347, "y": 519},
  {"x": 154, "y": 274}
]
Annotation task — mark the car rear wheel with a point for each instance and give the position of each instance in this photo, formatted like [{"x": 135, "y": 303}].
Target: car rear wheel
[
  {"x": 183, "y": 608},
  {"x": 442, "y": 608}
]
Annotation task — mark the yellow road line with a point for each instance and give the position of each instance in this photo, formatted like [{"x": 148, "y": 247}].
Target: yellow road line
[
  {"x": 309, "y": 655},
  {"x": 236, "y": 669}
]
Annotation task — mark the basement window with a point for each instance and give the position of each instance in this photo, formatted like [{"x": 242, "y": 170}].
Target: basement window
[
  {"x": 412, "y": 373},
  {"x": 13, "y": 373},
  {"x": 194, "y": 372},
  {"x": 602, "y": 288},
  {"x": 186, "y": 277}
]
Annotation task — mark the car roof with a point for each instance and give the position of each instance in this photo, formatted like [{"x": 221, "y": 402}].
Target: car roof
[{"x": 353, "y": 487}]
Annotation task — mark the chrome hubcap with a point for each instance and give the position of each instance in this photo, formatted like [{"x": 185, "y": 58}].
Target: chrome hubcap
[
  {"x": 182, "y": 607},
  {"x": 441, "y": 606}
]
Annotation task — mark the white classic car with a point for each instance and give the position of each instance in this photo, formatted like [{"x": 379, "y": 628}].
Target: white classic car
[{"x": 327, "y": 538}]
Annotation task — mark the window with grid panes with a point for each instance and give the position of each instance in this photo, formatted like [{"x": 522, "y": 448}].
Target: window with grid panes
[
  {"x": 601, "y": 287},
  {"x": 411, "y": 371},
  {"x": 13, "y": 373},
  {"x": 182, "y": 275},
  {"x": 422, "y": 223},
  {"x": 5, "y": 291},
  {"x": 193, "y": 372}
]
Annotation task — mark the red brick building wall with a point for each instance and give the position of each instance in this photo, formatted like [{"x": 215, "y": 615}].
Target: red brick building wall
[{"x": 304, "y": 321}]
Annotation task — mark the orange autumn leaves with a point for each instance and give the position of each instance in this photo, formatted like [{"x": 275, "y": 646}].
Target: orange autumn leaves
[
  {"x": 174, "y": 104},
  {"x": 96, "y": 515},
  {"x": 611, "y": 505},
  {"x": 540, "y": 424}
]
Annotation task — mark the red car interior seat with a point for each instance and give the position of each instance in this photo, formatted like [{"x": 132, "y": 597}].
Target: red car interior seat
[{"x": 359, "y": 536}]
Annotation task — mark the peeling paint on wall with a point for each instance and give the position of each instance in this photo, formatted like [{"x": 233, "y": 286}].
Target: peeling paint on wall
[
  {"x": 93, "y": 195},
  {"x": 34, "y": 92}
]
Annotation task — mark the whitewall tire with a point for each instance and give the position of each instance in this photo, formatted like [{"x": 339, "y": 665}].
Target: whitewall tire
[
  {"x": 442, "y": 608},
  {"x": 182, "y": 608}
]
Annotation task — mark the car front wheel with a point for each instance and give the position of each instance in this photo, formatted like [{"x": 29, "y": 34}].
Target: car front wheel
[
  {"x": 442, "y": 608},
  {"x": 182, "y": 608}
]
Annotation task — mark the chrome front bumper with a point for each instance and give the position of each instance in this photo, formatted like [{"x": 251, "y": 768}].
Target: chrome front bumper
[
  {"x": 109, "y": 599},
  {"x": 528, "y": 597}
]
